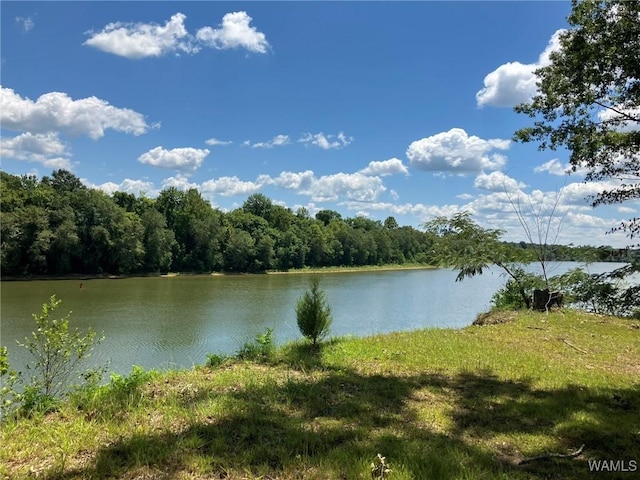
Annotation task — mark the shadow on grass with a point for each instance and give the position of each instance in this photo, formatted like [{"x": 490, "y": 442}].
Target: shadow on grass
[{"x": 332, "y": 425}]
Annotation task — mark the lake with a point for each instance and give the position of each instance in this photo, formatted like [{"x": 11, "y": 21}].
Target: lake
[{"x": 175, "y": 322}]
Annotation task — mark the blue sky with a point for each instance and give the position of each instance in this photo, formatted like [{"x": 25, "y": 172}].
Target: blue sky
[{"x": 367, "y": 108}]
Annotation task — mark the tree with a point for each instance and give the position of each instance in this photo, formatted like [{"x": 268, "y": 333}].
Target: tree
[
  {"x": 588, "y": 99},
  {"x": 467, "y": 247},
  {"x": 313, "y": 313},
  {"x": 58, "y": 351}
]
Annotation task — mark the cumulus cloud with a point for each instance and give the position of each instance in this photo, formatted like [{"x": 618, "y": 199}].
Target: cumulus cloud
[
  {"x": 184, "y": 159},
  {"x": 230, "y": 186},
  {"x": 352, "y": 186},
  {"x": 215, "y": 142},
  {"x": 552, "y": 167},
  {"x": 456, "y": 152},
  {"x": 26, "y": 23},
  {"x": 497, "y": 182},
  {"x": 44, "y": 148},
  {"x": 139, "y": 40},
  {"x": 384, "y": 168},
  {"x": 514, "y": 82},
  {"x": 235, "y": 32},
  {"x": 56, "y": 111},
  {"x": 581, "y": 193},
  {"x": 326, "y": 142},
  {"x": 277, "y": 141},
  {"x": 180, "y": 181},
  {"x": 136, "y": 187},
  {"x": 420, "y": 210}
]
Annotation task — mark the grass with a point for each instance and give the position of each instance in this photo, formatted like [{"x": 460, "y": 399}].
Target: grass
[{"x": 441, "y": 404}]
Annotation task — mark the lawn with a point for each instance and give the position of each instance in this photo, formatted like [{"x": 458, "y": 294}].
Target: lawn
[{"x": 474, "y": 403}]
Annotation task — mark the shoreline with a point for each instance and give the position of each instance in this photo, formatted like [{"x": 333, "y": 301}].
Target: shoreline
[{"x": 81, "y": 276}]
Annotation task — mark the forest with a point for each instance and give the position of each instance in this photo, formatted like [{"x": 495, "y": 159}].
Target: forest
[{"x": 58, "y": 226}]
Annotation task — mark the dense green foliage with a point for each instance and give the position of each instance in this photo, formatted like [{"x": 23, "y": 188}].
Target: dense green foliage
[
  {"x": 589, "y": 99},
  {"x": 59, "y": 226},
  {"x": 313, "y": 313}
]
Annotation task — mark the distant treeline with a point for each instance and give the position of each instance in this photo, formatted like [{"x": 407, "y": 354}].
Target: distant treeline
[{"x": 58, "y": 226}]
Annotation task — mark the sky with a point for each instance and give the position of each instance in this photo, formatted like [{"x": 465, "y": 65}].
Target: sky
[{"x": 373, "y": 109}]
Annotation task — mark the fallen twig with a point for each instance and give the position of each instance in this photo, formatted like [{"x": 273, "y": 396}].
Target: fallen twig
[
  {"x": 551, "y": 455},
  {"x": 573, "y": 346}
]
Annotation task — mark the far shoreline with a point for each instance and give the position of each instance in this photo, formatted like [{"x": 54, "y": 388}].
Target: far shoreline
[{"x": 309, "y": 270}]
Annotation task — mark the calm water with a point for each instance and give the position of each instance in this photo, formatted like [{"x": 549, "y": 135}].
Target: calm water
[{"x": 174, "y": 322}]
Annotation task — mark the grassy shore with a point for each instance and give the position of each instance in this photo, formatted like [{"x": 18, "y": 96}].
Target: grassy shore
[{"x": 475, "y": 403}]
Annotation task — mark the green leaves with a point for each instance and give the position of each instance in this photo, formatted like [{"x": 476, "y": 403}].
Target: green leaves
[
  {"x": 589, "y": 99},
  {"x": 313, "y": 313},
  {"x": 57, "y": 350}
]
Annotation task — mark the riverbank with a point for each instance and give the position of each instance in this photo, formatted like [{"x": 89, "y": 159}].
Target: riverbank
[
  {"x": 80, "y": 276},
  {"x": 479, "y": 402}
]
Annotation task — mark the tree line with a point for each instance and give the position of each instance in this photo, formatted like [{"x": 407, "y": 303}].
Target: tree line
[{"x": 57, "y": 226}]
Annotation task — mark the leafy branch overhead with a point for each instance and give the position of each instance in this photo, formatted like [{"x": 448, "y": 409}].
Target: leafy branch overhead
[{"x": 588, "y": 100}]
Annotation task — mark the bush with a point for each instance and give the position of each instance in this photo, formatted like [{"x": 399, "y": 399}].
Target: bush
[
  {"x": 518, "y": 291},
  {"x": 9, "y": 397},
  {"x": 313, "y": 313},
  {"x": 261, "y": 349},
  {"x": 59, "y": 353},
  {"x": 214, "y": 360}
]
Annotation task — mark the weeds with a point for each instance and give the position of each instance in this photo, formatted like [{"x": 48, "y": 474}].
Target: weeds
[{"x": 261, "y": 349}]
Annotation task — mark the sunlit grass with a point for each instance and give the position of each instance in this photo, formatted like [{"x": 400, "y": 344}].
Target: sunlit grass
[{"x": 439, "y": 403}]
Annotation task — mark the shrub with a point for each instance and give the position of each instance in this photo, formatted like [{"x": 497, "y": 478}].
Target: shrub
[
  {"x": 313, "y": 313},
  {"x": 517, "y": 292},
  {"x": 214, "y": 360},
  {"x": 9, "y": 397},
  {"x": 59, "y": 353},
  {"x": 261, "y": 348}
]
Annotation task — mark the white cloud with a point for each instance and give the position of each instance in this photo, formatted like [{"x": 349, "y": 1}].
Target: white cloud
[
  {"x": 230, "y": 186},
  {"x": 180, "y": 181},
  {"x": 579, "y": 193},
  {"x": 136, "y": 187},
  {"x": 514, "y": 82},
  {"x": 56, "y": 111},
  {"x": 235, "y": 32},
  {"x": 295, "y": 180},
  {"x": 46, "y": 149},
  {"x": 384, "y": 168},
  {"x": 215, "y": 142},
  {"x": 456, "y": 152},
  {"x": 352, "y": 186},
  {"x": 420, "y": 210},
  {"x": 277, "y": 141},
  {"x": 553, "y": 167},
  {"x": 185, "y": 159},
  {"x": 26, "y": 23},
  {"x": 140, "y": 40},
  {"x": 497, "y": 182},
  {"x": 326, "y": 142}
]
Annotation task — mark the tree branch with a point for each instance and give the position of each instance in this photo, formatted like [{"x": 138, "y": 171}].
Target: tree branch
[
  {"x": 551, "y": 455},
  {"x": 619, "y": 112}
]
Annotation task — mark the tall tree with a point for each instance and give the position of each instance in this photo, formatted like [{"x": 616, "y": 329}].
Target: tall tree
[{"x": 588, "y": 99}]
